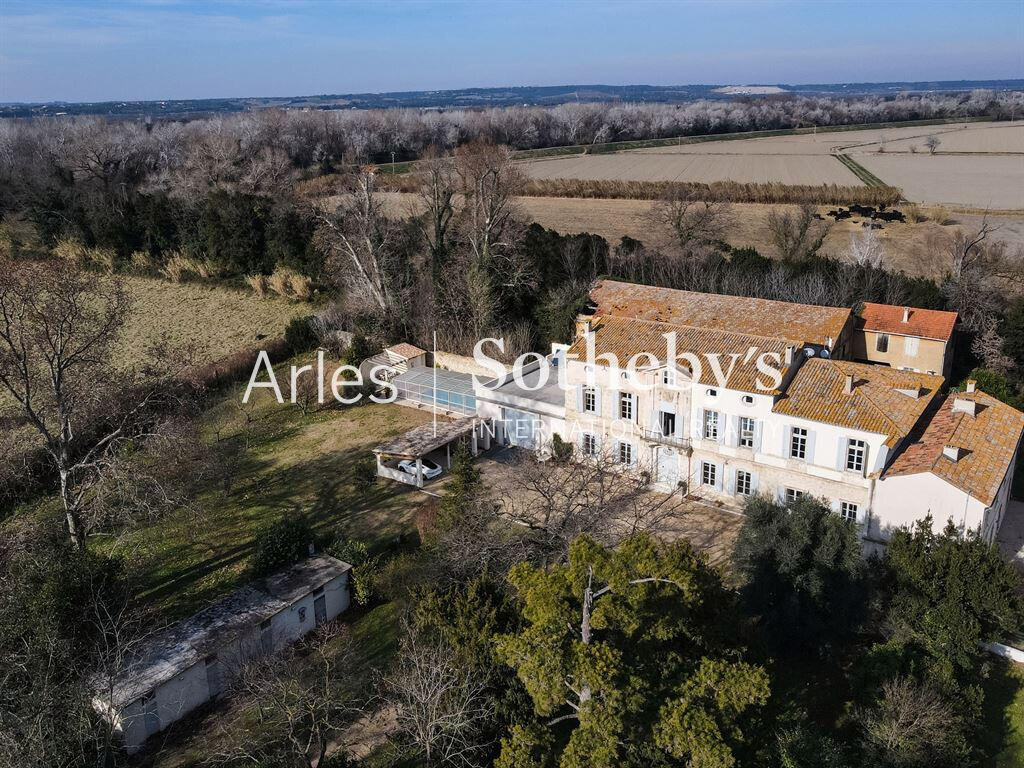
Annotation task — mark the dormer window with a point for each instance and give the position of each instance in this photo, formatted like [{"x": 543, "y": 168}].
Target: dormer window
[
  {"x": 712, "y": 393},
  {"x": 748, "y": 399}
]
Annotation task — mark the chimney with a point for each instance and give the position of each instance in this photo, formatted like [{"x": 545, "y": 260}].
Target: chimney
[
  {"x": 848, "y": 384},
  {"x": 951, "y": 452},
  {"x": 963, "y": 405},
  {"x": 972, "y": 385},
  {"x": 586, "y": 327},
  {"x": 914, "y": 392},
  {"x": 828, "y": 342},
  {"x": 789, "y": 355},
  {"x": 906, "y": 314}
]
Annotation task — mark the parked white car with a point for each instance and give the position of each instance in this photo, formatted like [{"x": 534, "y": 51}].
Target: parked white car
[{"x": 430, "y": 469}]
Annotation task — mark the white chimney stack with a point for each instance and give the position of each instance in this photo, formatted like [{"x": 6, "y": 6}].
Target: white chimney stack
[
  {"x": 951, "y": 452},
  {"x": 906, "y": 314},
  {"x": 789, "y": 355},
  {"x": 848, "y": 384},
  {"x": 972, "y": 385}
]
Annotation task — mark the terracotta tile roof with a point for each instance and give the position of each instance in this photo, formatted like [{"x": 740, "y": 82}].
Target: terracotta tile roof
[
  {"x": 626, "y": 337},
  {"x": 926, "y": 323},
  {"x": 876, "y": 404},
  {"x": 798, "y": 323},
  {"x": 406, "y": 350},
  {"x": 988, "y": 441}
]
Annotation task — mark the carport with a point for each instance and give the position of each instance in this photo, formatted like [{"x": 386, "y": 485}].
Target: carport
[{"x": 425, "y": 439}]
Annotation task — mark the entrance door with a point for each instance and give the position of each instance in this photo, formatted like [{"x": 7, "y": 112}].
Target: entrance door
[
  {"x": 668, "y": 467},
  {"x": 214, "y": 676},
  {"x": 150, "y": 716},
  {"x": 320, "y": 609}
]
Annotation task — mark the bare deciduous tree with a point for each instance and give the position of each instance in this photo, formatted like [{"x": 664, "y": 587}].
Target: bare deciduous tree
[
  {"x": 440, "y": 709},
  {"x": 932, "y": 143},
  {"x": 299, "y": 701},
  {"x": 911, "y": 725},
  {"x": 557, "y": 500},
  {"x": 796, "y": 235},
  {"x": 437, "y": 203},
  {"x": 57, "y": 331},
  {"x": 693, "y": 222},
  {"x": 358, "y": 239},
  {"x": 866, "y": 249}
]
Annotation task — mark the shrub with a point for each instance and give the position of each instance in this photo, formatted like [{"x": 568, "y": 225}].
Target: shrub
[
  {"x": 364, "y": 566},
  {"x": 177, "y": 268},
  {"x": 299, "y": 335},
  {"x": 143, "y": 262},
  {"x": 301, "y": 287},
  {"x": 102, "y": 259},
  {"x": 280, "y": 281},
  {"x": 358, "y": 350},
  {"x": 258, "y": 283},
  {"x": 560, "y": 449},
  {"x": 71, "y": 251},
  {"x": 283, "y": 543},
  {"x": 914, "y": 214},
  {"x": 364, "y": 474}
]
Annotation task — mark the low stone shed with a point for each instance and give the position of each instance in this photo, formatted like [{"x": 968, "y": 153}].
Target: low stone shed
[{"x": 193, "y": 661}]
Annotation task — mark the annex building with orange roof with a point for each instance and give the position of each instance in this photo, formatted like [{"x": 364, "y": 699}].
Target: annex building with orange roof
[{"x": 874, "y": 438}]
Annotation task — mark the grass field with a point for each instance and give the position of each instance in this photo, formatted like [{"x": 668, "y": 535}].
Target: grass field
[
  {"x": 707, "y": 167},
  {"x": 913, "y": 248},
  {"x": 295, "y": 465},
  {"x": 217, "y": 320},
  {"x": 977, "y": 164}
]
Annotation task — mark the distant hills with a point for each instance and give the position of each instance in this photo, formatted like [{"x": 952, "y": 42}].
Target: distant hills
[{"x": 489, "y": 97}]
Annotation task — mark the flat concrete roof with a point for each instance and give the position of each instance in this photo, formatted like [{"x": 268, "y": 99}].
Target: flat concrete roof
[
  {"x": 181, "y": 645},
  {"x": 425, "y": 438},
  {"x": 549, "y": 393}
]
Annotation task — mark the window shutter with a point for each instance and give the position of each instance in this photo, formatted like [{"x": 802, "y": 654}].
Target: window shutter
[
  {"x": 723, "y": 427},
  {"x": 719, "y": 471},
  {"x": 753, "y": 482},
  {"x": 615, "y": 403},
  {"x": 579, "y": 398},
  {"x": 597, "y": 401},
  {"x": 780, "y": 494},
  {"x": 841, "y": 454},
  {"x": 834, "y": 506},
  {"x": 787, "y": 442},
  {"x": 634, "y": 457},
  {"x": 636, "y": 408},
  {"x": 653, "y": 424},
  {"x": 757, "y": 435},
  {"x": 680, "y": 425},
  {"x": 809, "y": 452},
  {"x": 698, "y": 427},
  {"x": 880, "y": 461},
  {"x": 730, "y": 483},
  {"x": 732, "y": 432}
]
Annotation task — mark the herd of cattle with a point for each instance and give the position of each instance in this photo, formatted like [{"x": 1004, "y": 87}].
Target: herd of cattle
[{"x": 874, "y": 215}]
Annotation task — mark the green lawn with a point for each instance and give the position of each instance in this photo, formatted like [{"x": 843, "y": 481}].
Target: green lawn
[
  {"x": 295, "y": 465},
  {"x": 1004, "y": 716}
]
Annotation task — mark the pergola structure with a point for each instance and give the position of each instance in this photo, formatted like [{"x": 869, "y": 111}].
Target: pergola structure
[{"x": 420, "y": 441}]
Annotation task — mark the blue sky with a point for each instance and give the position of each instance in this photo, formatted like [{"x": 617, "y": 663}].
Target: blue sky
[{"x": 76, "y": 50}]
